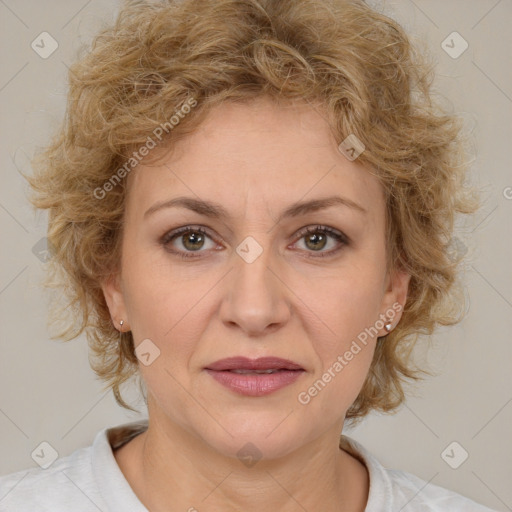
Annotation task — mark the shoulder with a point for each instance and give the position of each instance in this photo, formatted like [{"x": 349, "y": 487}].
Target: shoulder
[
  {"x": 57, "y": 488},
  {"x": 423, "y": 496},
  {"x": 88, "y": 480},
  {"x": 392, "y": 490}
]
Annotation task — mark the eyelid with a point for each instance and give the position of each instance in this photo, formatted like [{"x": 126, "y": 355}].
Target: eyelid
[
  {"x": 171, "y": 233},
  {"x": 339, "y": 236},
  {"x": 168, "y": 236},
  {"x": 326, "y": 229}
]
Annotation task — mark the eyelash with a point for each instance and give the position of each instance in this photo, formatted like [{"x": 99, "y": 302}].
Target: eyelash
[{"x": 337, "y": 235}]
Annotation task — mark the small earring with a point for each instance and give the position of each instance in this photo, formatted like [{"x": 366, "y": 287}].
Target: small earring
[
  {"x": 388, "y": 326},
  {"x": 121, "y": 322}
]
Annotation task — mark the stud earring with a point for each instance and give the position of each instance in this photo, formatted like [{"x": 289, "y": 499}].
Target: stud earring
[
  {"x": 121, "y": 322},
  {"x": 387, "y": 326}
]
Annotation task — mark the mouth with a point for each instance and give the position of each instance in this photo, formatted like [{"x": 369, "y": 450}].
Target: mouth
[
  {"x": 244, "y": 365},
  {"x": 254, "y": 377},
  {"x": 258, "y": 372}
]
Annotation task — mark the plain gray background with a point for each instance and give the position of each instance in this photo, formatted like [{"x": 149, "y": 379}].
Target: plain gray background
[{"x": 47, "y": 390}]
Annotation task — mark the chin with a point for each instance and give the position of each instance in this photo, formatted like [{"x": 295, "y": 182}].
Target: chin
[{"x": 254, "y": 435}]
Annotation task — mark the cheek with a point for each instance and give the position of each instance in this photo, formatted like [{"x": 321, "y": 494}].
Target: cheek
[
  {"x": 156, "y": 296},
  {"x": 163, "y": 306},
  {"x": 342, "y": 303},
  {"x": 167, "y": 306},
  {"x": 343, "y": 352},
  {"x": 340, "y": 316}
]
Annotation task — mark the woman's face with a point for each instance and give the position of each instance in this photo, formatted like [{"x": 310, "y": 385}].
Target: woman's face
[{"x": 253, "y": 283}]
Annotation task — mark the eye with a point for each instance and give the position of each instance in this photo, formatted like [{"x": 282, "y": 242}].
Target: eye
[
  {"x": 187, "y": 240},
  {"x": 316, "y": 238},
  {"x": 191, "y": 239}
]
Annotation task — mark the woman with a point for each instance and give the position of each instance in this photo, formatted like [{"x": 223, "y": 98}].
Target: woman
[{"x": 251, "y": 204}]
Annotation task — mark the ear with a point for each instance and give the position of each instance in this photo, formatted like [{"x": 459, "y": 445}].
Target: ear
[
  {"x": 395, "y": 296},
  {"x": 115, "y": 301}
]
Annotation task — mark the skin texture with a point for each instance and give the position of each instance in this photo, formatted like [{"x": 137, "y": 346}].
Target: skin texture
[{"x": 254, "y": 159}]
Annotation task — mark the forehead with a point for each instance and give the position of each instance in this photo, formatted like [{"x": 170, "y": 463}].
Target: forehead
[{"x": 254, "y": 155}]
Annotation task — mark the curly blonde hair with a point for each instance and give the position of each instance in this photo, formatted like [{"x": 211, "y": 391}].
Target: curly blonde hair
[{"x": 355, "y": 62}]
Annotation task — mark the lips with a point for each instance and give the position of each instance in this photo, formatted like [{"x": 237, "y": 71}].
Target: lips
[
  {"x": 260, "y": 365},
  {"x": 255, "y": 377}
]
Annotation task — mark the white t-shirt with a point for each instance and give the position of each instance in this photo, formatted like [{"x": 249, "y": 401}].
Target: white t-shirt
[{"x": 89, "y": 480}]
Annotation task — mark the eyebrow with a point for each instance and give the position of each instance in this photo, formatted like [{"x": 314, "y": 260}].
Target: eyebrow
[{"x": 217, "y": 211}]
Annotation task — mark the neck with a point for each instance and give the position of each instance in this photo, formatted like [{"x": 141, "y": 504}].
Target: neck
[{"x": 170, "y": 466}]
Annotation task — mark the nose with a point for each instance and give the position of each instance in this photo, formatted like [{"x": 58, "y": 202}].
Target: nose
[{"x": 256, "y": 297}]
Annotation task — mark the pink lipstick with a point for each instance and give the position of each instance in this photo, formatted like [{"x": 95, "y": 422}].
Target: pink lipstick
[{"x": 255, "y": 377}]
